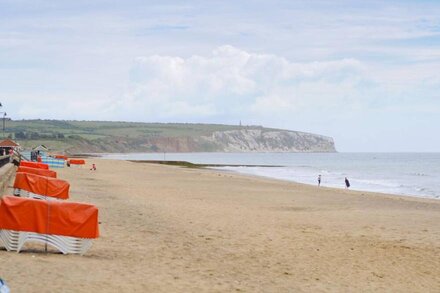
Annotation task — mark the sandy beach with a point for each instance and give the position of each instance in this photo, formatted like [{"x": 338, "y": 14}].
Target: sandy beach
[{"x": 173, "y": 229}]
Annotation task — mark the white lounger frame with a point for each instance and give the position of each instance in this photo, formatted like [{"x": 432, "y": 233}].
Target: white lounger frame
[
  {"x": 77, "y": 165},
  {"x": 15, "y": 240},
  {"x": 24, "y": 193}
]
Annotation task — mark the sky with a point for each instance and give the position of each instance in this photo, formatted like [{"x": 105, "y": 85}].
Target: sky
[{"x": 366, "y": 73}]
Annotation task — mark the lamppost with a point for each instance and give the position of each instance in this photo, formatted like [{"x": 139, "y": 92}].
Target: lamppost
[{"x": 4, "y": 119}]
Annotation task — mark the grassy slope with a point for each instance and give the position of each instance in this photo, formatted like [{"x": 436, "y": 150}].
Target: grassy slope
[{"x": 98, "y": 130}]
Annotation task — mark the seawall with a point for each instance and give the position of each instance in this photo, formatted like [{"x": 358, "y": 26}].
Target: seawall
[{"x": 7, "y": 172}]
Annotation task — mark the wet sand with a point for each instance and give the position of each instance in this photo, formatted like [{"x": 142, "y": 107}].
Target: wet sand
[{"x": 172, "y": 229}]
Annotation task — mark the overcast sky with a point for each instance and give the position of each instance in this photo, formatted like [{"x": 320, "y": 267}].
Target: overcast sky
[{"x": 366, "y": 73}]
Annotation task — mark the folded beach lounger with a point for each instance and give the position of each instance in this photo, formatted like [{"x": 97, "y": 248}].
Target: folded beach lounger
[
  {"x": 66, "y": 226},
  {"x": 15, "y": 240},
  {"x": 42, "y": 187},
  {"x": 9, "y": 239},
  {"x": 76, "y": 162},
  {"x": 41, "y": 172},
  {"x": 34, "y": 165},
  {"x": 65, "y": 244},
  {"x": 24, "y": 193},
  {"x": 63, "y": 157}
]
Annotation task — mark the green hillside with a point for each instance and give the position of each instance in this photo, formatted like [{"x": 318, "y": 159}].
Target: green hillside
[
  {"x": 63, "y": 135},
  {"x": 108, "y": 137},
  {"x": 99, "y": 129}
]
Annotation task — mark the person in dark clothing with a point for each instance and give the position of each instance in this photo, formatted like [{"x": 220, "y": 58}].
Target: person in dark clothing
[
  {"x": 347, "y": 183},
  {"x": 319, "y": 180}
]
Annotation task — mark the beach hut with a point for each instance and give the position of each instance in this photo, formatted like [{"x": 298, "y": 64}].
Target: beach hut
[
  {"x": 42, "y": 150},
  {"x": 6, "y": 145}
]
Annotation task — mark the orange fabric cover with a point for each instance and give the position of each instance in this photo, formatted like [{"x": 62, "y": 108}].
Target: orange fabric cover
[
  {"x": 34, "y": 165},
  {"x": 49, "y": 217},
  {"x": 77, "y": 162},
  {"x": 60, "y": 157},
  {"x": 41, "y": 172},
  {"x": 42, "y": 185}
]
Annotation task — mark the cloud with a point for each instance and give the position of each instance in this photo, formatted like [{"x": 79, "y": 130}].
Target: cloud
[{"x": 233, "y": 83}]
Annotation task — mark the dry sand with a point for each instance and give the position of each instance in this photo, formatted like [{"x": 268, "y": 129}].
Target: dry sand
[{"x": 171, "y": 229}]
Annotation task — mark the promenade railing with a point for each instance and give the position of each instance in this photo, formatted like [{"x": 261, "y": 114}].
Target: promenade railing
[{"x": 4, "y": 160}]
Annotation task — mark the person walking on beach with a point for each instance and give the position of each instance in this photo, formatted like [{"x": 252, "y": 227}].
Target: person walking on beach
[
  {"x": 93, "y": 167},
  {"x": 319, "y": 180},
  {"x": 347, "y": 183}
]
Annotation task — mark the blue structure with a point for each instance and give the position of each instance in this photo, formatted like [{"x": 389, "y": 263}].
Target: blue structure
[{"x": 52, "y": 162}]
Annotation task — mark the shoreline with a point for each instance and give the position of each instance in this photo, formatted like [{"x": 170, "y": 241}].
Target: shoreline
[
  {"x": 197, "y": 165},
  {"x": 332, "y": 187},
  {"x": 335, "y": 189},
  {"x": 273, "y": 180},
  {"x": 373, "y": 172},
  {"x": 186, "y": 164}
]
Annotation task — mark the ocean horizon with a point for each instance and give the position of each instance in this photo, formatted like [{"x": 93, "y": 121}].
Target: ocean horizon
[{"x": 411, "y": 174}]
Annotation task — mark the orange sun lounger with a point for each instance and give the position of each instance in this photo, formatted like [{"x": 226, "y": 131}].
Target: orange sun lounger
[
  {"x": 77, "y": 162},
  {"x": 67, "y": 226},
  {"x": 41, "y": 185},
  {"x": 34, "y": 165},
  {"x": 41, "y": 172},
  {"x": 60, "y": 157},
  {"x": 49, "y": 217}
]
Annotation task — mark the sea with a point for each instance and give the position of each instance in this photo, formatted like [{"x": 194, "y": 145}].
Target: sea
[{"x": 412, "y": 174}]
